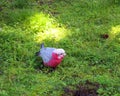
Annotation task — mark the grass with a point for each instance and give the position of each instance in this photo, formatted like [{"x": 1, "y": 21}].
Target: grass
[{"x": 75, "y": 26}]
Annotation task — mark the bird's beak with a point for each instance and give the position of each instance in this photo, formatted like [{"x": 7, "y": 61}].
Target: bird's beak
[{"x": 64, "y": 54}]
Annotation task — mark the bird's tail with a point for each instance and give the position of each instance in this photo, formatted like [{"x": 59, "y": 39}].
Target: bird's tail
[
  {"x": 38, "y": 53},
  {"x": 42, "y": 45}
]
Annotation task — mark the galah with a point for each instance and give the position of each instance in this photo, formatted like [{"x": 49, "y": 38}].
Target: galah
[{"x": 51, "y": 57}]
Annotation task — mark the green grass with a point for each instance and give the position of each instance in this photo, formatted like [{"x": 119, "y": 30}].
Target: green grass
[{"x": 74, "y": 25}]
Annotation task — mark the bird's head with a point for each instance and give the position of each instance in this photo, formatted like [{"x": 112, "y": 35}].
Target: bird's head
[{"x": 60, "y": 53}]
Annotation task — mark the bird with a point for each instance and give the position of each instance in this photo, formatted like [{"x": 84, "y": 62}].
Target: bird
[{"x": 51, "y": 57}]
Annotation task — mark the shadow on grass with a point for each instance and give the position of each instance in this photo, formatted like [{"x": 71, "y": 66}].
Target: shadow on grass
[{"x": 87, "y": 89}]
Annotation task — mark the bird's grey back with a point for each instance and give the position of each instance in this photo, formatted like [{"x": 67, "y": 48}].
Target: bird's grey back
[{"x": 46, "y": 53}]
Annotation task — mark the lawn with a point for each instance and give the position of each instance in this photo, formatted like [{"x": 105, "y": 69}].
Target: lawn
[{"x": 88, "y": 30}]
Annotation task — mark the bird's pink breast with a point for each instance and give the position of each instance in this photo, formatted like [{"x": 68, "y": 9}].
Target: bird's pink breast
[{"x": 55, "y": 61}]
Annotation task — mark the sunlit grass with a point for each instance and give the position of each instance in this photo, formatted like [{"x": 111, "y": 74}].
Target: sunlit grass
[
  {"x": 40, "y": 22},
  {"x": 46, "y": 28},
  {"x": 115, "y": 31},
  {"x": 55, "y": 34}
]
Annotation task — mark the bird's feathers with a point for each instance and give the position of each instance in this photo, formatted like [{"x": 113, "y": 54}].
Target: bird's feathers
[
  {"x": 42, "y": 45},
  {"x": 51, "y": 56},
  {"x": 46, "y": 53},
  {"x": 59, "y": 51}
]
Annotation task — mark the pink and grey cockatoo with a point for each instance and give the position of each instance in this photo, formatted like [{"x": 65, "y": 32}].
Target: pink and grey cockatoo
[{"x": 51, "y": 57}]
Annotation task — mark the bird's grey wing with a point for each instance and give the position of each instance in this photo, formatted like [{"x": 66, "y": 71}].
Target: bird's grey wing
[{"x": 46, "y": 53}]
